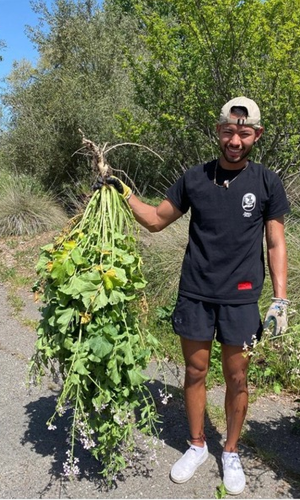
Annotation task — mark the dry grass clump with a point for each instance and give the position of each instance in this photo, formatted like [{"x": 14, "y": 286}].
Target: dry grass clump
[
  {"x": 163, "y": 254},
  {"x": 25, "y": 209}
]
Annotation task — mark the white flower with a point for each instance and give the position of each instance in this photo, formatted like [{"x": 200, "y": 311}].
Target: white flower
[{"x": 164, "y": 396}]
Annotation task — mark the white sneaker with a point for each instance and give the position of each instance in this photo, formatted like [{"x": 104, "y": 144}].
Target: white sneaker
[
  {"x": 234, "y": 478},
  {"x": 186, "y": 466}
]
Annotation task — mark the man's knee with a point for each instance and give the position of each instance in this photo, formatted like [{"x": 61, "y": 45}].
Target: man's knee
[
  {"x": 196, "y": 374},
  {"x": 237, "y": 381},
  {"x": 235, "y": 367}
]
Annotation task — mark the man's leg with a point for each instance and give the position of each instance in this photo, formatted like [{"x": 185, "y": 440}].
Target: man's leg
[
  {"x": 235, "y": 366},
  {"x": 196, "y": 355}
]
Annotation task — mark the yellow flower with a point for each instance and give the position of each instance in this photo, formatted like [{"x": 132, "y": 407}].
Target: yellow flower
[
  {"x": 49, "y": 266},
  {"x": 85, "y": 318}
]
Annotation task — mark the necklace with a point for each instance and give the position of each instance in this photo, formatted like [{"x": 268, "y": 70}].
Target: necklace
[{"x": 227, "y": 182}]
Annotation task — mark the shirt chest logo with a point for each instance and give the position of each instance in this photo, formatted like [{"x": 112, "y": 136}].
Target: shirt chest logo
[{"x": 248, "y": 204}]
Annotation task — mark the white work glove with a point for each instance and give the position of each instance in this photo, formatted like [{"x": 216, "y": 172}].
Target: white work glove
[{"x": 277, "y": 314}]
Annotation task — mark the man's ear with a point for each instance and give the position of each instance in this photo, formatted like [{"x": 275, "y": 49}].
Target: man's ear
[{"x": 258, "y": 133}]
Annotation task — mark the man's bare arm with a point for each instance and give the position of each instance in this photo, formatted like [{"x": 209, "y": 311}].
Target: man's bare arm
[
  {"x": 277, "y": 256},
  {"x": 154, "y": 218}
]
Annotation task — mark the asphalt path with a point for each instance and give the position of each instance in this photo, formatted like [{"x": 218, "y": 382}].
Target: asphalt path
[{"x": 31, "y": 456}]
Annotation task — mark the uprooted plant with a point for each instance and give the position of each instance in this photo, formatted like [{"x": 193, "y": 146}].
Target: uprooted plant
[{"x": 91, "y": 330}]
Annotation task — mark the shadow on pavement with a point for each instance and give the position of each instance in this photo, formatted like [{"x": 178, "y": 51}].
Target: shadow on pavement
[
  {"x": 277, "y": 442},
  {"x": 54, "y": 443},
  {"x": 272, "y": 444},
  {"x": 173, "y": 430}
]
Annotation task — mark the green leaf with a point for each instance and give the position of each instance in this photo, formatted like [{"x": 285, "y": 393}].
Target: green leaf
[
  {"x": 111, "y": 330},
  {"x": 103, "y": 398},
  {"x": 68, "y": 343},
  {"x": 139, "y": 284},
  {"x": 80, "y": 368},
  {"x": 74, "y": 379},
  {"x": 136, "y": 377},
  {"x": 93, "y": 276},
  {"x": 125, "y": 392},
  {"x": 77, "y": 257},
  {"x": 70, "y": 267},
  {"x": 119, "y": 236},
  {"x": 277, "y": 388},
  {"x": 114, "y": 277},
  {"x": 268, "y": 372},
  {"x": 151, "y": 340},
  {"x": 58, "y": 271},
  {"x": 78, "y": 286},
  {"x": 93, "y": 358},
  {"x": 99, "y": 301},
  {"x": 115, "y": 297},
  {"x": 100, "y": 346},
  {"x": 63, "y": 318},
  {"x": 47, "y": 248},
  {"x": 128, "y": 358},
  {"x": 113, "y": 372},
  {"x": 69, "y": 245},
  {"x": 41, "y": 265}
]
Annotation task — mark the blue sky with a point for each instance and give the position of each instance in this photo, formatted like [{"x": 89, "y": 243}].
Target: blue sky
[{"x": 14, "y": 16}]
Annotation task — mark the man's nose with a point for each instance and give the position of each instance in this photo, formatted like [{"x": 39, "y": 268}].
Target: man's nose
[{"x": 235, "y": 140}]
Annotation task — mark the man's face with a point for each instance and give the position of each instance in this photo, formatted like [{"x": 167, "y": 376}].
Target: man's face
[{"x": 236, "y": 141}]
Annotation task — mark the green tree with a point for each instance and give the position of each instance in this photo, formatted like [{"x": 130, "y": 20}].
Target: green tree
[
  {"x": 79, "y": 82},
  {"x": 196, "y": 54},
  {"x": 154, "y": 72}
]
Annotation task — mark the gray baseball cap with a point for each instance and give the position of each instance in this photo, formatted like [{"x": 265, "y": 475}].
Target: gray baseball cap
[{"x": 253, "y": 118}]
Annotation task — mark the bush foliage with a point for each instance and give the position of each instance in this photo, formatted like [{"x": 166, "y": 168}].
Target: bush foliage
[
  {"x": 25, "y": 209},
  {"x": 155, "y": 73}
]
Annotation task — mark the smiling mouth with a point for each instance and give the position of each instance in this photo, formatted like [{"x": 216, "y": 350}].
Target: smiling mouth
[{"x": 234, "y": 152}]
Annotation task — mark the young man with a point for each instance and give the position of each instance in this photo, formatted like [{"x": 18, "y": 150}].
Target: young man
[{"x": 232, "y": 202}]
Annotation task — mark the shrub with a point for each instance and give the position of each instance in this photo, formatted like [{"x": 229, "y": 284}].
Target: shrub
[{"x": 25, "y": 209}]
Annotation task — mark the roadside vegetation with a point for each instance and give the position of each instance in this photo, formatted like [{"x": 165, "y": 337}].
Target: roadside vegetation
[
  {"x": 275, "y": 361},
  {"x": 153, "y": 73},
  {"x": 25, "y": 207}
]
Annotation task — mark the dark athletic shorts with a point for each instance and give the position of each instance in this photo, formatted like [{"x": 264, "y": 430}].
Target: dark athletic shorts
[{"x": 230, "y": 324}]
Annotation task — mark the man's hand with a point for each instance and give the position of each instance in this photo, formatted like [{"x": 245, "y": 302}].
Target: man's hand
[
  {"x": 98, "y": 184},
  {"x": 122, "y": 188},
  {"x": 277, "y": 314}
]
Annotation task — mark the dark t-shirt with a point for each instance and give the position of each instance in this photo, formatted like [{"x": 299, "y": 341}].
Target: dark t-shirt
[{"x": 224, "y": 261}]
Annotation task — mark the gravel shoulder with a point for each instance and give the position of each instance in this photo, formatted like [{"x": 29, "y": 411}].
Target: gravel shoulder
[{"x": 31, "y": 456}]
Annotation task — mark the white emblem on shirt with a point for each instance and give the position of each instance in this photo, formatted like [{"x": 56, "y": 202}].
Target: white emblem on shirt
[{"x": 248, "y": 204}]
